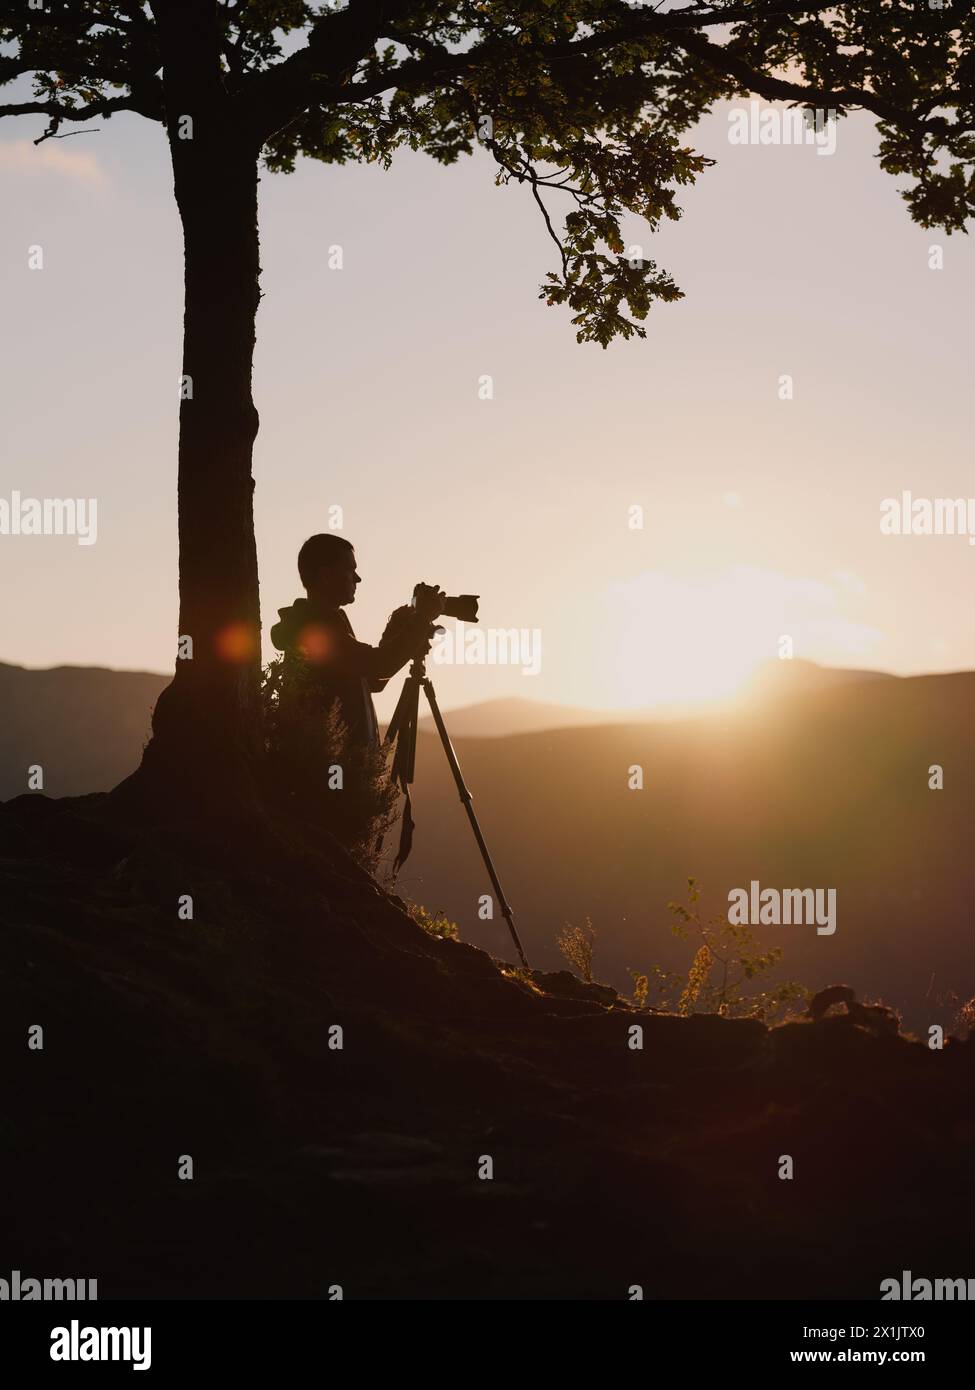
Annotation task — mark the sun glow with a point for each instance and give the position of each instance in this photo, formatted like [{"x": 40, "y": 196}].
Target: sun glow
[{"x": 692, "y": 641}]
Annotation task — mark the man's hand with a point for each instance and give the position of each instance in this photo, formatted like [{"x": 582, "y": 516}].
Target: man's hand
[{"x": 409, "y": 625}]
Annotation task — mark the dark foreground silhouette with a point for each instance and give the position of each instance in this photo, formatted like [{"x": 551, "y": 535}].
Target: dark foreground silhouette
[{"x": 315, "y": 1166}]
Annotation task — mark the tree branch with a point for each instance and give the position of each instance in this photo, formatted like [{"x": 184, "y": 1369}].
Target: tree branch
[
  {"x": 337, "y": 43},
  {"x": 548, "y": 223},
  {"x": 421, "y": 72},
  {"x": 780, "y": 89},
  {"x": 57, "y": 113},
  {"x": 675, "y": 26}
]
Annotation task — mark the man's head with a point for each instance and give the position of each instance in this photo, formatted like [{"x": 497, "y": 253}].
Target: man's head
[{"x": 326, "y": 564}]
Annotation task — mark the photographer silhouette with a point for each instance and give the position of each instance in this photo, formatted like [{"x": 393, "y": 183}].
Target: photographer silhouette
[{"x": 315, "y": 632}]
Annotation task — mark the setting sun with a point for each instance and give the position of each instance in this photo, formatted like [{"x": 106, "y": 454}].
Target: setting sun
[{"x": 687, "y": 640}]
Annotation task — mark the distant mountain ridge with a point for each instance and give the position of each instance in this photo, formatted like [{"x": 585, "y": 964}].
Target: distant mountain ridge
[
  {"x": 799, "y": 671},
  {"x": 820, "y": 780},
  {"x": 84, "y": 725},
  {"x": 514, "y": 715},
  {"x": 87, "y": 725}
]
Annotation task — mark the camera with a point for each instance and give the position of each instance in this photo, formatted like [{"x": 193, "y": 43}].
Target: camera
[{"x": 434, "y": 603}]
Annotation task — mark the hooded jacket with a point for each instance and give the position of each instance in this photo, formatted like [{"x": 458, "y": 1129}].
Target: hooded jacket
[{"x": 344, "y": 668}]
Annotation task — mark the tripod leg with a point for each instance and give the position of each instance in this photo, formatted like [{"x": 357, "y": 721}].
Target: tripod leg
[
  {"x": 402, "y": 733},
  {"x": 466, "y": 799}
]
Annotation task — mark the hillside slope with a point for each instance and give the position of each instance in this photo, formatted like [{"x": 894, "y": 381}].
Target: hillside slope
[
  {"x": 824, "y": 787},
  {"x": 315, "y": 1166}
]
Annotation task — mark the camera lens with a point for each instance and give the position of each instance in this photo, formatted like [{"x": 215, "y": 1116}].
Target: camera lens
[{"x": 462, "y": 607}]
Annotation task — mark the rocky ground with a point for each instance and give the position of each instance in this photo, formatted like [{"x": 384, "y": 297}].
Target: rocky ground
[{"x": 315, "y": 1165}]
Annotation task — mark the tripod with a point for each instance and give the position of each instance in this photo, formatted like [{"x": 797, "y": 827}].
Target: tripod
[{"x": 402, "y": 732}]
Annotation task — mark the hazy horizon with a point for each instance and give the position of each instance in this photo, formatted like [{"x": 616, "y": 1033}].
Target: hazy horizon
[{"x": 667, "y": 712}]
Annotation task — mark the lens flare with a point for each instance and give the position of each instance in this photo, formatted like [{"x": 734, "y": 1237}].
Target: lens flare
[
  {"x": 314, "y": 643},
  {"x": 237, "y": 643}
]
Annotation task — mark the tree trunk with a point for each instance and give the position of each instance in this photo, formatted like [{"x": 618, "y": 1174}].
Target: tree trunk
[{"x": 206, "y": 729}]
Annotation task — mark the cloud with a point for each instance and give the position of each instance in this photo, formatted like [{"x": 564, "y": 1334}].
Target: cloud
[{"x": 53, "y": 157}]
